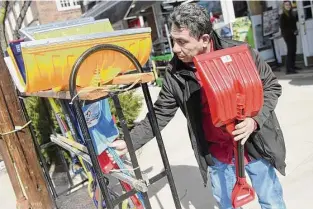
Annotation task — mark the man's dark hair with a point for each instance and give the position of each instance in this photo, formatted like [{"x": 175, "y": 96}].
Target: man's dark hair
[
  {"x": 193, "y": 17},
  {"x": 196, "y": 19}
]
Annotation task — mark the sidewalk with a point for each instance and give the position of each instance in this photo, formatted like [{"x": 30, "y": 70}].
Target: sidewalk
[
  {"x": 2, "y": 166},
  {"x": 7, "y": 196}
]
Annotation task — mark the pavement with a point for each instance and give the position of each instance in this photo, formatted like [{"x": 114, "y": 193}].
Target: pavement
[
  {"x": 296, "y": 119},
  {"x": 2, "y": 166},
  {"x": 7, "y": 197}
]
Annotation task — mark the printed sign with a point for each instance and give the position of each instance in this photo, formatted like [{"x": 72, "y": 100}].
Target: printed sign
[
  {"x": 226, "y": 59},
  {"x": 92, "y": 114}
]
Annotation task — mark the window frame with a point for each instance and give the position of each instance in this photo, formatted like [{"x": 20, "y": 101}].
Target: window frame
[
  {"x": 60, "y": 8},
  {"x": 306, "y": 7}
]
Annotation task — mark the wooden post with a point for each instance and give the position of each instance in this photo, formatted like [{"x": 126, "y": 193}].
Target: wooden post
[
  {"x": 22, "y": 202},
  {"x": 20, "y": 144}
]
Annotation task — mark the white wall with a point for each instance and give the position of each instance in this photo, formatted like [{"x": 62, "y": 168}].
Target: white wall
[{"x": 228, "y": 11}]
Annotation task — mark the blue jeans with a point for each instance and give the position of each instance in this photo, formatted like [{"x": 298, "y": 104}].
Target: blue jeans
[{"x": 264, "y": 181}]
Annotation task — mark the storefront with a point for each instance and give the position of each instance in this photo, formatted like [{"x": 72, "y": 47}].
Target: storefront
[
  {"x": 264, "y": 23},
  {"x": 303, "y": 10},
  {"x": 305, "y": 27},
  {"x": 257, "y": 23}
]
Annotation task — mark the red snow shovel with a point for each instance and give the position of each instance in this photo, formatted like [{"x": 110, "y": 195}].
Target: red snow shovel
[{"x": 234, "y": 91}]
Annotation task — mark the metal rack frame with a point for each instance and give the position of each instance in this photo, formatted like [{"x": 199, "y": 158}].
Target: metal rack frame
[
  {"x": 39, "y": 147},
  {"x": 136, "y": 181},
  {"x": 110, "y": 204}
]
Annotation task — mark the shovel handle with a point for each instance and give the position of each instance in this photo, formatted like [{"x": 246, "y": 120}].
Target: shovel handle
[
  {"x": 238, "y": 151},
  {"x": 240, "y": 157},
  {"x": 241, "y": 164}
]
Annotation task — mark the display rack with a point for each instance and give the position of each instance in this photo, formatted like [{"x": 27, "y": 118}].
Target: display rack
[
  {"x": 141, "y": 79},
  {"x": 114, "y": 96},
  {"x": 87, "y": 68},
  {"x": 138, "y": 183}
]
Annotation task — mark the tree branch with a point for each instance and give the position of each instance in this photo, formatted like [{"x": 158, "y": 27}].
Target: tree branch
[
  {"x": 3, "y": 14},
  {"x": 21, "y": 18}
]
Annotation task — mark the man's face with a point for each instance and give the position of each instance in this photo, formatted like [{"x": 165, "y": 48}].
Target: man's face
[{"x": 187, "y": 46}]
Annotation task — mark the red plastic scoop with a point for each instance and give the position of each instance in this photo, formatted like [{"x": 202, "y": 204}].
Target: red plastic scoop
[{"x": 234, "y": 91}]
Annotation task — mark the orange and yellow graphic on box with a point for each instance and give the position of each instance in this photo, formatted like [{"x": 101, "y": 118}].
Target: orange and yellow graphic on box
[{"x": 48, "y": 62}]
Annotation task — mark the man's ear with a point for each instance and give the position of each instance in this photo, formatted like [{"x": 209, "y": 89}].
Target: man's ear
[{"x": 205, "y": 39}]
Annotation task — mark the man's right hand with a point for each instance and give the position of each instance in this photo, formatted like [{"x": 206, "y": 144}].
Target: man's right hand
[{"x": 119, "y": 146}]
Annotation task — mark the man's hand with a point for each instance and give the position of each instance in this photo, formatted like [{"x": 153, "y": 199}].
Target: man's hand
[
  {"x": 120, "y": 148},
  {"x": 244, "y": 130}
]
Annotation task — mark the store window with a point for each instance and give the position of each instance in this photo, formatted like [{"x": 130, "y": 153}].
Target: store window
[
  {"x": 67, "y": 4},
  {"x": 240, "y": 8},
  {"x": 308, "y": 9}
]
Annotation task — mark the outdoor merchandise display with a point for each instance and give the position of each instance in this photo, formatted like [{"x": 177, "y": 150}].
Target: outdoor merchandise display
[
  {"x": 78, "y": 70},
  {"x": 231, "y": 80}
]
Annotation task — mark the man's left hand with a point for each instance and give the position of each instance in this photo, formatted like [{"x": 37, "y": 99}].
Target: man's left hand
[{"x": 244, "y": 129}]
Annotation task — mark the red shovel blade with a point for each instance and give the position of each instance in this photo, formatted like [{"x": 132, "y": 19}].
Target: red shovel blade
[
  {"x": 225, "y": 73},
  {"x": 242, "y": 194}
]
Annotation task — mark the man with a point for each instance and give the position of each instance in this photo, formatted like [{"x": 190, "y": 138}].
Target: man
[{"x": 192, "y": 34}]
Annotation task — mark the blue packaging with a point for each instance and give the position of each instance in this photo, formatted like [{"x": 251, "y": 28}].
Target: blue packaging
[
  {"x": 17, "y": 52},
  {"x": 100, "y": 124}
]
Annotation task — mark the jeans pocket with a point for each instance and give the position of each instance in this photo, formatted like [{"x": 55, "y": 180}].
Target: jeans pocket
[{"x": 217, "y": 164}]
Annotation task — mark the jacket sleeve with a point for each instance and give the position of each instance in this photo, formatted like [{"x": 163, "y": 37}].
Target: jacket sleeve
[
  {"x": 282, "y": 22},
  {"x": 165, "y": 108},
  {"x": 271, "y": 89}
]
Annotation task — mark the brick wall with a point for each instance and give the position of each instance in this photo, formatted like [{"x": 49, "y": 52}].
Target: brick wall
[{"x": 48, "y": 12}]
